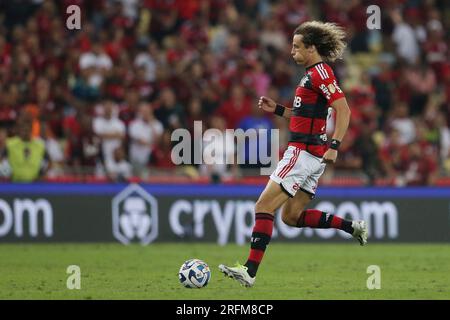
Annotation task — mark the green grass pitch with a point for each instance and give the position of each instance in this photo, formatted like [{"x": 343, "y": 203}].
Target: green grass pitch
[{"x": 289, "y": 271}]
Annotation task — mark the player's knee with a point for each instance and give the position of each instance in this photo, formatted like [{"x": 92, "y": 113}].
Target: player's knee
[
  {"x": 264, "y": 206},
  {"x": 289, "y": 218}
]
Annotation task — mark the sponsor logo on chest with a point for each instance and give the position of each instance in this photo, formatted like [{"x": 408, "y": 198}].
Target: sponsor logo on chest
[{"x": 305, "y": 82}]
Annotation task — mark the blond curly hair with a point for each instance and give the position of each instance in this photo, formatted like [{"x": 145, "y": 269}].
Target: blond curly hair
[{"x": 327, "y": 37}]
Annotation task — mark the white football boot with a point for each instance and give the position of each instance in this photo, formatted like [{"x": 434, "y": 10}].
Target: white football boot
[
  {"x": 360, "y": 231},
  {"x": 238, "y": 273}
]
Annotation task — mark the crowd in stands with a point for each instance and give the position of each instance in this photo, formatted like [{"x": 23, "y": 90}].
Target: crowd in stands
[{"x": 105, "y": 99}]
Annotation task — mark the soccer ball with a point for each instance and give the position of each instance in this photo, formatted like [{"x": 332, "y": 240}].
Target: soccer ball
[{"x": 194, "y": 273}]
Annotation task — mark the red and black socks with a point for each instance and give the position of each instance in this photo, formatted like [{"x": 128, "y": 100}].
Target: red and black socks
[
  {"x": 262, "y": 232},
  {"x": 321, "y": 220},
  {"x": 261, "y": 235}
]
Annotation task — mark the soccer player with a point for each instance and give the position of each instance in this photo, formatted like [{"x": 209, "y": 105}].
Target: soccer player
[{"x": 294, "y": 182}]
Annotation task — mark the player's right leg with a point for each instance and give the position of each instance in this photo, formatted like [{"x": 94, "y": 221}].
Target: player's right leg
[
  {"x": 270, "y": 200},
  {"x": 294, "y": 212}
]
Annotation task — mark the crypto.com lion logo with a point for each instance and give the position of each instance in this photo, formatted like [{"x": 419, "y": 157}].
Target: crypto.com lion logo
[{"x": 135, "y": 216}]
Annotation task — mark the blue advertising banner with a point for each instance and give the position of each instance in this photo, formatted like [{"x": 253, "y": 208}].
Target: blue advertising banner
[{"x": 213, "y": 213}]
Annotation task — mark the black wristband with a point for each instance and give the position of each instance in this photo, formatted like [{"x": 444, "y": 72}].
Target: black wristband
[
  {"x": 279, "y": 110},
  {"x": 334, "y": 144}
]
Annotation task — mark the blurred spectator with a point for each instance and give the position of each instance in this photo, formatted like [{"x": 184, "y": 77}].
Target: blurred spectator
[
  {"x": 32, "y": 110},
  {"x": 162, "y": 153},
  {"x": 257, "y": 78},
  {"x": 91, "y": 146},
  {"x": 128, "y": 109},
  {"x": 170, "y": 112},
  {"x": 291, "y": 13},
  {"x": 83, "y": 146},
  {"x": 218, "y": 151},
  {"x": 194, "y": 113},
  {"x": 257, "y": 148},
  {"x": 49, "y": 111},
  {"x": 367, "y": 148},
  {"x": 421, "y": 81},
  {"x": 419, "y": 169},
  {"x": 83, "y": 91},
  {"x": 130, "y": 8},
  {"x": 413, "y": 17},
  {"x": 8, "y": 106},
  {"x": 436, "y": 48},
  {"x": 405, "y": 38},
  {"x": 282, "y": 74},
  {"x": 145, "y": 132},
  {"x": 364, "y": 110},
  {"x": 118, "y": 168},
  {"x": 383, "y": 85},
  {"x": 236, "y": 107},
  {"x": 26, "y": 155},
  {"x": 110, "y": 129},
  {"x": 357, "y": 26},
  {"x": 95, "y": 64},
  {"x": 148, "y": 60},
  {"x": 403, "y": 124},
  {"x": 272, "y": 35},
  {"x": 393, "y": 155},
  {"x": 54, "y": 151},
  {"x": 350, "y": 158}
]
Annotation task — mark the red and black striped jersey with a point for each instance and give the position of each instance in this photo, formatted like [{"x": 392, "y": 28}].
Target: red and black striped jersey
[{"x": 317, "y": 90}]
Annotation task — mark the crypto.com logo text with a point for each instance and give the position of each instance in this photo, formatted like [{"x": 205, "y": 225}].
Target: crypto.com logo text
[{"x": 217, "y": 147}]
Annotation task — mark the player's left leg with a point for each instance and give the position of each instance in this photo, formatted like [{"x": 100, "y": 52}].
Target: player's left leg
[{"x": 270, "y": 200}]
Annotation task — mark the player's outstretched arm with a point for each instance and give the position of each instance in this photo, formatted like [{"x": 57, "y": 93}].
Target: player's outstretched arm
[{"x": 271, "y": 106}]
